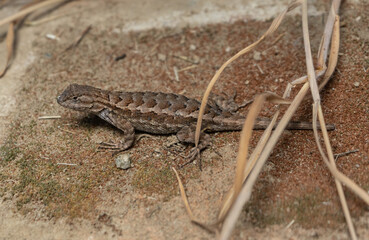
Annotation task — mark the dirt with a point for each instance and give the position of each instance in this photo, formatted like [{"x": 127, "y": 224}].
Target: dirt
[{"x": 55, "y": 184}]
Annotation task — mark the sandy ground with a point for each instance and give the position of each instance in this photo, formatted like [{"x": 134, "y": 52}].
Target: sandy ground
[{"x": 42, "y": 200}]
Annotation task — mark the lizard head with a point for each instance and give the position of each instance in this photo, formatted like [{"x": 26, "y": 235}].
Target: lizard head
[{"x": 78, "y": 97}]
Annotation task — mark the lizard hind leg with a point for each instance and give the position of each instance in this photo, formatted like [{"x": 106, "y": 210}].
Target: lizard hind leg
[{"x": 187, "y": 135}]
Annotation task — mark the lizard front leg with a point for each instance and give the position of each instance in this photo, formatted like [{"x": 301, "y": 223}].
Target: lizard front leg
[
  {"x": 124, "y": 125},
  {"x": 187, "y": 135}
]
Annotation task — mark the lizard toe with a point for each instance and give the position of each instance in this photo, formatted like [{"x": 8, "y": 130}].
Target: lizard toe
[
  {"x": 191, "y": 157},
  {"x": 111, "y": 146}
]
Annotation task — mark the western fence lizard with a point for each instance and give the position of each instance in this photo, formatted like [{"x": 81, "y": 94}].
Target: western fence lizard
[{"x": 159, "y": 113}]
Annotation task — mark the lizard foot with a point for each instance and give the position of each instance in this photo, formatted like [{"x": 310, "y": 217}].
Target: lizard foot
[
  {"x": 192, "y": 156},
  {"x": 113, "y": 147},
  {"x": 194, "y": 153}
]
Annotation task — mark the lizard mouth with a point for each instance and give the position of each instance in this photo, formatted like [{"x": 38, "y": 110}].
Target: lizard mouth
[
  {"x": 59, "y": 99},
  {"x": 62, "y": 99}
]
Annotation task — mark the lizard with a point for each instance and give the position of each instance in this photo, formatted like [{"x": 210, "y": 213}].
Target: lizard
[{"x": 160, "y": 113}]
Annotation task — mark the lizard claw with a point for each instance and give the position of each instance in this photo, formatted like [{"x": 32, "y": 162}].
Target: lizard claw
[
  {"x": 194, "y": 153},
  {"x": 113, "y": 147},
  {"x": 108, "y": 145}
]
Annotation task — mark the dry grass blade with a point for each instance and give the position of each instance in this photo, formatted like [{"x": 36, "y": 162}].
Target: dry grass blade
[
  {"x": 183, "y": 195},
  {"x": 323, "y": 50},
  {"x": 309, "y": 59},
  {"x": 187, "y": 205},
  {"x": 275, "y": 24},
  {"x": 333, "y": 56},
  {"x": 10, "y": 48},
  {"x": 245, "y": 193},
  {"x": 332, "y": 167},
  {"x": 229, "y": 197},
  {"x": 248, "y": 171},
  {"x": 3, "y": 3},
  {"x": 243, "y": 166},
  {"x": 317, "y": 104},
  {"x": 246, "y": 135},
  {"x": 332, "y": 162},
  {"x": 46, "y": 19},
  {"x": 28, "y": 10},
  {"x": 324, "y": 44},
  {"x": 321, "y": 62},
  {"x": 13, "y": 20},
  {"x": 79, "y": 39}
]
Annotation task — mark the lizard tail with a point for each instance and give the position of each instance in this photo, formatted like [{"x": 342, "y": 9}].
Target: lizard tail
[
  {"x": 262, "y": 123},
  {"x": 235, "y": 123}
]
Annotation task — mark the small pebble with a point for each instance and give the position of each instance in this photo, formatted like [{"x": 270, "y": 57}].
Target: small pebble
[
  {"x": 117, "y": 30},
  {"x": 228, "y": 49},
  {"x": 123, "y": 161},
  {"x": 192, "y": 47},
  {"x": 314, "y": 234},
  {"x": 52, "y": 36},
  {"x": 357, "y": 165},
  {"x": 156, "y": 152},
  {"x": 257, "y": 56},
  {"x": 356, "y": 84},
  {"x": 162, "y": 57}
]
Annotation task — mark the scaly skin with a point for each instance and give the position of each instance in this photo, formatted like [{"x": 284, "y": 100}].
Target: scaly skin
[{"x": 158, "y": 113}]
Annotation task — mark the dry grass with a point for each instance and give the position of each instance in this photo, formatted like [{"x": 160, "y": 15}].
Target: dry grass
[
  {"x": 247, "y": 170},
  {"x": 15, "y": 20},
  {"x": 34, "y": 184}
]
